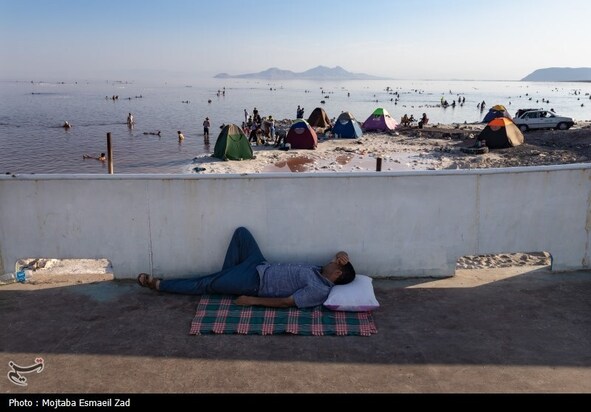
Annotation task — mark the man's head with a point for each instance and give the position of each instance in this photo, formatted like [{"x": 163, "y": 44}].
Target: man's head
[
  {"x": 339, "y": 274},
  {"x": 347, "y": 274}
]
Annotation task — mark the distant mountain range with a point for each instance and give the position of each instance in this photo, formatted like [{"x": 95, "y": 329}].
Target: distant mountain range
[
  {"x": 550, "y": 74},
  {"x": 317, "y": 73},
  {"x": 560, "y": 74}
]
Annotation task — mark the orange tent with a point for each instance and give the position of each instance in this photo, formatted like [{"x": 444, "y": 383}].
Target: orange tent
[{"x": 500, "y": 133}]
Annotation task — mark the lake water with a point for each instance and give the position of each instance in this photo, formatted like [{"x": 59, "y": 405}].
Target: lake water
[{"x": 33, "y": 141}]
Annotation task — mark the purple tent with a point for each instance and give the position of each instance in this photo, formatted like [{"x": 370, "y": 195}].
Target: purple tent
[{"x": 380, "y": 121}]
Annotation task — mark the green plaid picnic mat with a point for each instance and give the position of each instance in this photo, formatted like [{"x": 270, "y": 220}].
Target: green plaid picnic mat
[{"x": 218, "y": 315}]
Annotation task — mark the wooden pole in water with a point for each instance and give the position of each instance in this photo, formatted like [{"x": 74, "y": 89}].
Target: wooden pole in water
[
  {"x": 109, "y": 153},
  {"x": 379, "y": 164}
]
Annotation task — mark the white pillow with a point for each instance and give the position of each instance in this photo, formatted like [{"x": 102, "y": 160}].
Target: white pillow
[{"x": 357, "y": 296}]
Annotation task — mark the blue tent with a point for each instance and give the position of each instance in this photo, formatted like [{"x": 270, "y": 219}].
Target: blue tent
[{"x": 346, "y": 126}]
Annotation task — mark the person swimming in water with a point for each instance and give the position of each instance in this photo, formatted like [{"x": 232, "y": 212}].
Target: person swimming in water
[{"x": 102, "y": 157}]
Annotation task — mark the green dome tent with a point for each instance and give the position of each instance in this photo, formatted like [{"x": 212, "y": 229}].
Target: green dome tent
[{"x": 232, "y": 144}]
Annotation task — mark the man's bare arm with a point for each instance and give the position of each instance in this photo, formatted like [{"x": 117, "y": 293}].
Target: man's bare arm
[{"x": 268, "y": 302}]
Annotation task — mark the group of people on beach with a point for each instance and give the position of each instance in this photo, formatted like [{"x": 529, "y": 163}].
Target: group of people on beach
[
  {"x": 407, "y": 121},
  {"x": 258, "y": 129}
]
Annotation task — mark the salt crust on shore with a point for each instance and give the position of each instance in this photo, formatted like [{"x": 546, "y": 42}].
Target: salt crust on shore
[
  {"x": 432, "y": 148},
  {"x": 334, "y": 155}
]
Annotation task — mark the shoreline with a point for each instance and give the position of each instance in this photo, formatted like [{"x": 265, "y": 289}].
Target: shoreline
[{"x": 407, "y": 149}]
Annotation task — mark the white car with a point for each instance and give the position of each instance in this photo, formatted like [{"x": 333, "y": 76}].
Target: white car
[{"x": 527, "y": 119}]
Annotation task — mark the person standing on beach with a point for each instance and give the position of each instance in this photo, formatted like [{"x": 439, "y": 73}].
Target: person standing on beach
[
  {"x": 206, "y": 126},
  {"x": 300, "y": 113},
  {"x": 271, "y": 123}
]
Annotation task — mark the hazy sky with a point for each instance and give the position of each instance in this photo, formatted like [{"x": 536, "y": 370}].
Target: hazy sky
[{"x": 413, "y": 39}]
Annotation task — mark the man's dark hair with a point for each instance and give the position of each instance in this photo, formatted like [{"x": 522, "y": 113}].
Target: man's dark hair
[{"x": 347, "y": 275}]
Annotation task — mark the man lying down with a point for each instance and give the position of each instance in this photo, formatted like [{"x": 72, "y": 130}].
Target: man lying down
[{"x": 247, "y": 273}]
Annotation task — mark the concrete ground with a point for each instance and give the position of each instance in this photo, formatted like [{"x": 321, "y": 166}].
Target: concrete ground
[{"x": 504, "y": 330}]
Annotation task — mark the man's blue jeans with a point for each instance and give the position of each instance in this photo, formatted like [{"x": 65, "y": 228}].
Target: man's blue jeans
[{"x": 238, "y": 276}]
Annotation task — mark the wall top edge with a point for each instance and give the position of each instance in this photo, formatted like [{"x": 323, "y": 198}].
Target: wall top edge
[{"x": 300, "y": 175}]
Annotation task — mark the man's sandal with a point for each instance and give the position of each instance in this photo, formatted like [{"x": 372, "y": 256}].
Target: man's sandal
[{"x": 147, "y": 281}]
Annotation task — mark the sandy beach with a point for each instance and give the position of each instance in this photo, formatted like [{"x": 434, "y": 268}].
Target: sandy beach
[{"x": 436, "y": 147}]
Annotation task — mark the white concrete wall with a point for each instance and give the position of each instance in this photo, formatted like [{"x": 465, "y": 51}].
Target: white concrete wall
[{"x": 392, "y": 224}]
